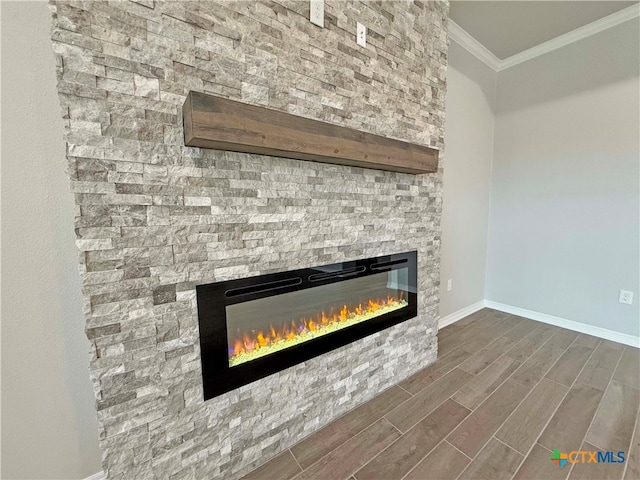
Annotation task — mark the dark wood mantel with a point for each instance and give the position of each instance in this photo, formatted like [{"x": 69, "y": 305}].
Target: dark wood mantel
[{"x": 214, "y": 122}]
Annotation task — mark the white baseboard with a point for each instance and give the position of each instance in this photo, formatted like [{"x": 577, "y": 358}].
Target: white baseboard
[
  {"x": 460, "y": 314},
  {"x": 97, "y": 476},
  {"x": 568, "y": 324}
]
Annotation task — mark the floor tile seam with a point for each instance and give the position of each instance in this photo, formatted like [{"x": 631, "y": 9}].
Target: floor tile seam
[
  {"x": 340, "y": 418},
  {"x": 333, "y": 449},
  {"x": 296, "y": 460},
  {"x": 429, "y": 413},
  {"x": 496, "y": 321},
  {"x": 611, "y": 380},
  {"x": 543, "y": 343},
  {"x": 538, "y": 325},
  {"x": 525, "y": 337},
  {"x": 517, "y": 452},
  {"x": 480, "y": 331},
  {"x": 524, "y": 457},
  {"x": 598, "y": 342},
  {"x": 633, "y": 433},
  {"x": 537, "y": 350},
  {"x": 548, "y": 451},
  {"x": 468, "y": 465},
  {"x": 428, "y": 453},
  {"x": 533, "y": 386},
  {"x": 389, "y": 446},
  {"x": 494, "y": 390},
  {"x": 401, "y": 434},
  {"x": 384, "y": 416},
  {"x": 632, "y": 387},
  {"x": 474, "y": 389},
  {"x": 586, "y": 432},
  {"x": 520, "y": 362},
  {"x": 584, "y": 365},
  {"x": 444, "y": 335},
  {"x": 508, "y": 417},
  {"x": 535, "y": 442},
  {"x": 613, "y": 371},
  {"x": 443, "y": 375},
  {"x": 477, "y": 319},
  {"x": 475, "y": 457},
  {"x": 432, "y": 449},
  {"x": 558, "y": 383},
  {"x": 622, "y": 382},
  {"x": 491, "y": 436},
  {"x": 342, "y": 443},
  {"x": 594, "y": 444},
  {"x": 499, "y": 427},
  {"x": 573, "y": 343},
  {"x": 381, "y": 451},
  {"x": 483, "y": 348},
  {"x": 500, "y": 357},
  {"x": 460, "y": 347},
  {"x": 420, "y": 391},
  {"x": 542, "y": 446},
  {"x": 578, "y": 375},
  {"x": 446, "y": 372},
  {"x": 503, "y": 334},
  {"x": 516, "y": 407},
  {"x": 551, "y": 366},
  {"x": 353, "y": 474},
  {"x": 508, "y": 446},
  {"x": 405, "y": 390}
]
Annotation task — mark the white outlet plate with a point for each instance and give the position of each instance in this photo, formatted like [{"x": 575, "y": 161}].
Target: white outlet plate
[
  {"x": 361, "y": 35},
  {"x": 625, "y": 297},
  {"x": 316, "y": 15},
  {"x": 449, "y": 285}
]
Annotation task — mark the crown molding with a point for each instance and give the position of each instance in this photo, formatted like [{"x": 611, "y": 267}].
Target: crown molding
[
  {"x": 465, "y": 40},
  {"x": 573, "y": 36}
]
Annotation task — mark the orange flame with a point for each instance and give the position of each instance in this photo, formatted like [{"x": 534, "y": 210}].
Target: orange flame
[{"x": 247, "y": 343}]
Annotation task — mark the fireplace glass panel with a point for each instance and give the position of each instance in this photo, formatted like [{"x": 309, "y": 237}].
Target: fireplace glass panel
[
  {"x": 253, "y": 327},
  {"x": 261, "y": 327}
]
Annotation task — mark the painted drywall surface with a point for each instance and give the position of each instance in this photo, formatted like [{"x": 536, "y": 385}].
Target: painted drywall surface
[
  {"x": 564, "y": 221},
  {"x": 467, "y": 179},
  {"x": 49, "y": 428}
]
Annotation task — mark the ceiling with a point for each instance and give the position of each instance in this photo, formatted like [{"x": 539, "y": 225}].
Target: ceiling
[{"x": 509, "y": 27}]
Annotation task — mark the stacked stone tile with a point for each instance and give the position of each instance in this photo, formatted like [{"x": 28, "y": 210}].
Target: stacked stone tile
[{"x": 155, "y": 218}]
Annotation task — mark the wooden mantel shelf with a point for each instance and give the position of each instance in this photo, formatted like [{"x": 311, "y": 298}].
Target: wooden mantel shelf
[{"x": 214, "y": 122}]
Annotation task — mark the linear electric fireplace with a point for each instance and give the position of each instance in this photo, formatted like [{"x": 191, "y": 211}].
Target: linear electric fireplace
[{"x": 253, "y": 327}]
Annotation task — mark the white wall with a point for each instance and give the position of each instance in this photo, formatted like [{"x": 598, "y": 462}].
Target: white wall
[
  {"x": 564, "y": 221},
  {"x": 49, "y": 427},
  {"x": 467, "y": 179}
]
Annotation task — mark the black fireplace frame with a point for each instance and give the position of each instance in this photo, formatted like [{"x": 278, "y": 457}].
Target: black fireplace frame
[{"x": 218, "y": 377}]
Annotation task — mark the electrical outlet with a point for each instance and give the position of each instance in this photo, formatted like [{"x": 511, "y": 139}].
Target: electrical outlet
[
  {"x": 316, "y": 15},
  {"x": 626, "y": 297},
  {"x": 449, "y": 285},
  {"x": 361, "y": 35}
]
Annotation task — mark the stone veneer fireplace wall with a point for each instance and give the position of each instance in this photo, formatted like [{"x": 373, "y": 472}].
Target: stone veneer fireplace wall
[{"x": 155, "y": 218}]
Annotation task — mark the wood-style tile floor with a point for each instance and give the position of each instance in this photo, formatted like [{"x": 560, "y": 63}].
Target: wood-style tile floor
[{"x": 504, "y": 392}]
